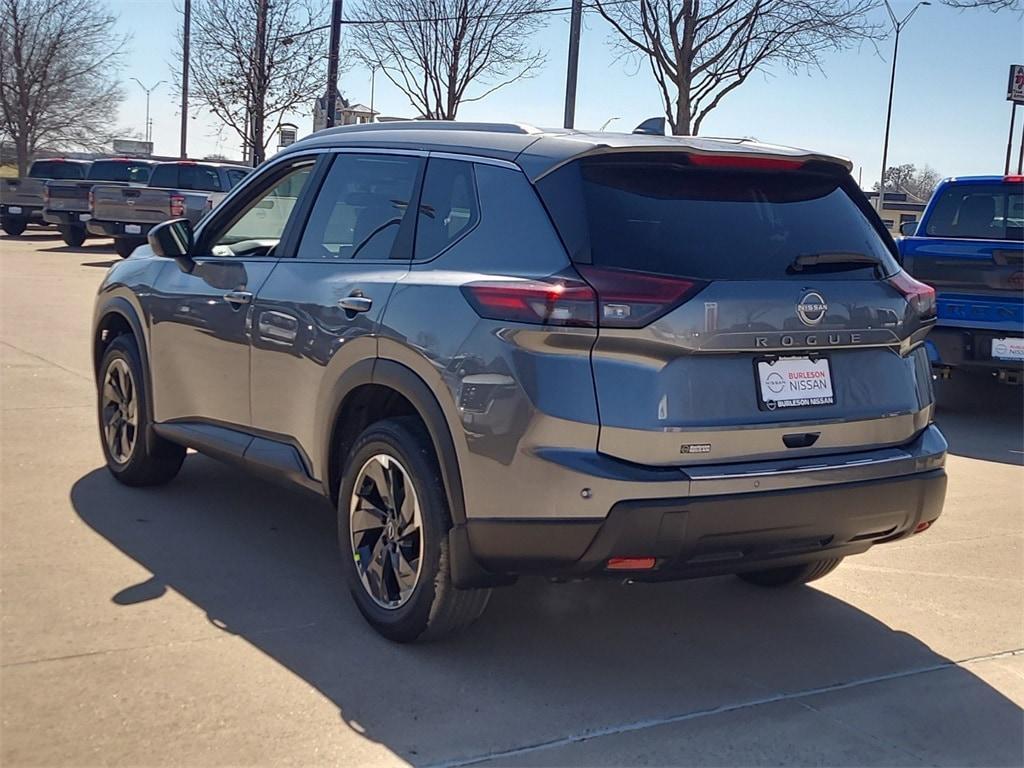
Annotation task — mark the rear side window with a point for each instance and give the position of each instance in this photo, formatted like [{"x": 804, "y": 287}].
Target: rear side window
[
  {"x": 448, "y": 206},
  {"x": 118, "y": 170},
  {"x": 165, "y": 176},
  {"x": 235, "y": 176},
  {"x": 204, "y": 178},
  {"x": 979, "y": 211},
  {"x": 659, "y": 215},
  {"x": 360, "y": 208},
  {"x": 53, "y": 169}
]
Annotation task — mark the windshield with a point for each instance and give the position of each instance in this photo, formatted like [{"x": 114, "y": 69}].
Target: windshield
[
  {"x": 57, "y": 169},
  {"x": 660, "y": 215},
  {"x": 120, "y": 170},
  {"x": 985, "y": 211}
]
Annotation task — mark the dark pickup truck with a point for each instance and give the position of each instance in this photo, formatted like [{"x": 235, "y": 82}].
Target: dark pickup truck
[
  {"x": 66, "y": 203},
  {"x": 21, "y": 199},
  {"x": 969, "y": 245},
  {"x": 180, "y": 189}
]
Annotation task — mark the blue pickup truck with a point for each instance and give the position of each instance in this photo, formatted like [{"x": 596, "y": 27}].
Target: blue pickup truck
[{"x": 969, "y": 245}]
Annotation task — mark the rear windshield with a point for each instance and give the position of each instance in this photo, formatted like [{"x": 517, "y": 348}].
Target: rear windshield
[
  {"x": 663, "y": 216},
  {"x": 987, "y": 211},
  {"x": 119, "y": 170},
  {"x": 56, "y": 169}
]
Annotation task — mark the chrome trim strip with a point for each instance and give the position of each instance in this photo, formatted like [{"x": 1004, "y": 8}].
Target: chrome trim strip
[
  {"x": 483, "y": 160},
  {"x": 798, "y": 470}
]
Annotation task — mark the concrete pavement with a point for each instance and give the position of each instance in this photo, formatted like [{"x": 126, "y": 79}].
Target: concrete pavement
[{"x": 205, "y": 623}]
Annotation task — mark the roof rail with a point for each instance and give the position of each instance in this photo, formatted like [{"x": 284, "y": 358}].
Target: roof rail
[{"x": 430, "y": 125}]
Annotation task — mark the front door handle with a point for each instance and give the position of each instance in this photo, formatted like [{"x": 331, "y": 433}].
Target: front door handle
[
  {"x": 237, "y": 298},
  {"x": 356, "y": 303}
]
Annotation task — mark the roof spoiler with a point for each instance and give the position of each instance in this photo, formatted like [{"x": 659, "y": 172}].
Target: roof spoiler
[{"x": 652, "y": 126}]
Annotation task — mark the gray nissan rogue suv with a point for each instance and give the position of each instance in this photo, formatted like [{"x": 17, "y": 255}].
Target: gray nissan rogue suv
[{"x": 499, "y": 350}]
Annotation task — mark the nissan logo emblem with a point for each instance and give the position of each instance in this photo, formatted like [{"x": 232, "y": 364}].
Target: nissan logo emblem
[{"x": 812, "y": 308}]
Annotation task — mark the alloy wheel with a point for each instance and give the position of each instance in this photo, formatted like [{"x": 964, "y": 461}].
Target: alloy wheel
[
  {"x": 386, "y": 531},
  {"x": 120, "y": 411}
]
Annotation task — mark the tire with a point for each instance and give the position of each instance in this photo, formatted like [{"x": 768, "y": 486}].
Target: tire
[
  {"x": 791, "y": 575},
  {"x": 73, "y": 236},
  {"x": 13, "y": 225},
  {"x": 131, "y": 458},
  {"x": 125, "y": 245},
  {"x": 429, "y": 607}
]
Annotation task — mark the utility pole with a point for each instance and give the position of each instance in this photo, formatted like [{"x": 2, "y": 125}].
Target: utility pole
[
  {"x": 897, "y": 25},
  {"x": 185, "y": 39},
  {"x": 574, "y": 63},
  {"x": 1009, "y": 139},
  {"x": 332, "y": 62},
  {"x": 260, "y": 82}
]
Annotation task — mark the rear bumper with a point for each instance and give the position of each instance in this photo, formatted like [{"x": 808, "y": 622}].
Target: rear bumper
[
  {"x": 65, "y": 218},
  {"x": 971, "y": 348},
  {"x": 707, "y": 520},
  {"x": 707, "y": 536},
  {"x": 30, "y": 212},
  {"x": 116, "y": 229}
]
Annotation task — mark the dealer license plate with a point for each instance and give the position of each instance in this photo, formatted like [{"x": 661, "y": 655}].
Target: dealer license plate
[
  {"x": 132, "y": 229},
  {"x": 14, "y": 209},
  {"x": 1008, "y": 349},
  {"x": 791, "y": 382}
]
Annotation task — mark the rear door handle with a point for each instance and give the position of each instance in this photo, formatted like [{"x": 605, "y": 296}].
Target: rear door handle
[
  {"x": 356, "y": 303},
  {"x": 238, "y": 298}
]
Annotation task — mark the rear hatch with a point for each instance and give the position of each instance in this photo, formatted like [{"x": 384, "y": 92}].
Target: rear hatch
[
  {"x": 747, "y": 308},
  {"x": 971, "y": 249}
]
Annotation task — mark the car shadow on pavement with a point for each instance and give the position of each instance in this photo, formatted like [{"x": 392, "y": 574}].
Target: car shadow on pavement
[
  {"x": 981, "y": 418},
  {"x": 103, "y": 264},
  {"x": 545, "y": 660},
  {"x": 104, "y": 247}
]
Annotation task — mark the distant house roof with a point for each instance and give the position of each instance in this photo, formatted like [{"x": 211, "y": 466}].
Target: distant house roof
[{"x": 345, "y": 105}]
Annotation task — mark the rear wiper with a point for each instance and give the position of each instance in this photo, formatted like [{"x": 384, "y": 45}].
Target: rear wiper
[{"x": 834, "y": 258}]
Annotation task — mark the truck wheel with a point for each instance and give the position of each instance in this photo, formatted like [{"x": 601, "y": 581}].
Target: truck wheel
[
  {"x": 393, "y": 524},
  {"x": 73, "y": 236},
  {"x": 124, "y": 422},
  {"x": 13, "y": 225},
  {"x": 124, "y": 246},
  {"x": 791, "y": 575}
]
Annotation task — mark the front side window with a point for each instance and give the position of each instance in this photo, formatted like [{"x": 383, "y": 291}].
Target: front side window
[
  {"x": 360, "y": 207},
  {"x": 448, "y": 206},
  {"x": 260, "y": 225},
  {"x": 992, "y": 211}
]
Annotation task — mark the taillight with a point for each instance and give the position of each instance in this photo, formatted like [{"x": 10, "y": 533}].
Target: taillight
[
  {"x": 628, "y": 299},
  {"x": 92, "y": 200},
  {"x": 177, "y": 206},
  {"x": 920, "y": 296},
  {"x": 746, "y": 162},
  {"x": 46, "y": 196},
  {"x": 557, "y": 300},
  {"x": 1014, "y": 179}
]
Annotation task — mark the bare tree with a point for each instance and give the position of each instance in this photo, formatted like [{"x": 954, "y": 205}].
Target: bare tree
[
  {"x": 992, "y": 5},
  {"x": 58, "y": 66},
  {"x": 435, "y": 50},
  {"x": 702, "y": 50},
  {"x": 255, "y": 61},
  {"x": 916, "y": 182}
]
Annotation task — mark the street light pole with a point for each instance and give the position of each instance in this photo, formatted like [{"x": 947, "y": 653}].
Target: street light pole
[
  {"x": 149, "y": 128},
  {"x": 572, "y": 70},
  {"x": 185, "y": 39},
  {"x": 898, "y": 26},
  {"x": 332, "y": 63}
]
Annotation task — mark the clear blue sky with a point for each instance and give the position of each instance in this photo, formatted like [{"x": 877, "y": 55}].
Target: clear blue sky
[{"x": 950, "y": 110}]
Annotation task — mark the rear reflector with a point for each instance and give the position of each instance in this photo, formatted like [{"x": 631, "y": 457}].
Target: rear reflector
[
  {"x": 628, "y": 299},
  {"x": 920, "y": 296},
  {"x": 923, "y": 526},
  {"x": 749, "y": 163},
  {"x": 556, "y": 300},
  {"x": 630, "y": 564}
]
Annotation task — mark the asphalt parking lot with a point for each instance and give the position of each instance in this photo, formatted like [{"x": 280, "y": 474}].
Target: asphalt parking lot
[{"x": 205, "y": 623}]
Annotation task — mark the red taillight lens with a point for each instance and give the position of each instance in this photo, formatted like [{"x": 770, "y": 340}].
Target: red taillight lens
[
  {"x": 921, "y": 297},
  {"x": 1014, "y": 179},
  {"x": 630, "y": 563},
  {"x": 627, "y": 299},
  {"x": 177, "y": 206},
  {"x": 746, "y": 162},
  {"x": 553, "y": 301}
]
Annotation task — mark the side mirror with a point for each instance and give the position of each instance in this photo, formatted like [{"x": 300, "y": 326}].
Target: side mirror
[
  {"x": 908, "y": 228},
  {"x": 172, "y": 239}
]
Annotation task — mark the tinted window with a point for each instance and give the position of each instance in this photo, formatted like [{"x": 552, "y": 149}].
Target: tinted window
[
  {"x": 119, "y": 170},
  {"x": 235, "y": 176},
  {"x": 979, "y": 211},
  {"x": 658, "y": 215},
  {"x": 267, "y": 214},
  {"x": 165, "y": 176},
  {"x": 56, "y": 169},
  {"x": 360, "y": 207},
  {"x": 200, "y": 177},
  {"x": 448, "y": 206}
]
